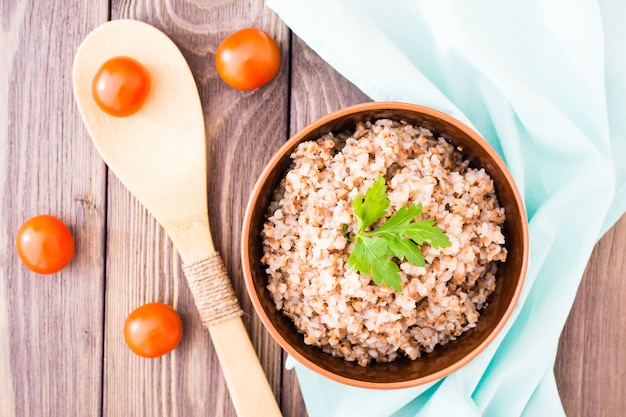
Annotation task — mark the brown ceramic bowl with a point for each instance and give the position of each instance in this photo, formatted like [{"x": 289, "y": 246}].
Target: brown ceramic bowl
[{"x": 445, "y": 359}]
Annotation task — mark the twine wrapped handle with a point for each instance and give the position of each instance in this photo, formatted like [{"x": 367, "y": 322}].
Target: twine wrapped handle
[
  {"x": 212, "y": 290},
  {"x": 220, "y": 314}
]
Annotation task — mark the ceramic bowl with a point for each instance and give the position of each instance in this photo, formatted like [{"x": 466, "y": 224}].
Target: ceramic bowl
[{"x": 402, "y": 372}]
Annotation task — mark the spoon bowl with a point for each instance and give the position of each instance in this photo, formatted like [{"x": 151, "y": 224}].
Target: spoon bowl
[{"x": 159, "y": 154}]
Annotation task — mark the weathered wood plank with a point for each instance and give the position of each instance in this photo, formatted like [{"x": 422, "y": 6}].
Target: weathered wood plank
[
  {"x": 591, "y": 365},
  {"x": 243, "y": 129},
  {"x": 51, "y": 327},
  {"x": 316, "y": 88}
]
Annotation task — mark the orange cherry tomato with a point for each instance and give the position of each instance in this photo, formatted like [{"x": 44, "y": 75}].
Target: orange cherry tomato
[
  {"x": 44, "y": 244},
  {"x": 153, "y": 330},
  {"x": 121, "y": 86},
  {"x": 247, "y": 59}
]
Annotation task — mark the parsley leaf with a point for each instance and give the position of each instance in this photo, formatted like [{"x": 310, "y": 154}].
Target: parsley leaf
[
  {"x": 374, "y": 206},
  {"x": 399, "y": 236},
  {"x": 368, "y": 257}
]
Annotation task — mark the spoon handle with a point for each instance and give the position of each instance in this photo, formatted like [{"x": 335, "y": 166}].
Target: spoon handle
[
  {"x": 219, "y": 311},
  {"x": 249, "y": 390}
]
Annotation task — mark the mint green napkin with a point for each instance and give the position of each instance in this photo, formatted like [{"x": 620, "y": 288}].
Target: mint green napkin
[{"x": 545, "y": 83}]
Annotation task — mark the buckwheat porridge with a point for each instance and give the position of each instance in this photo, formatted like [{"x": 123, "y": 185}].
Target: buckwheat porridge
[{"x": 306, "y": 248}]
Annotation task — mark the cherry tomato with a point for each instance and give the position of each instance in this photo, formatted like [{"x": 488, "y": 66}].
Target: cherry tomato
[
  {"x": 44, "y": 244},
  {"x": 153, "y": 330},
  {"x": 247, "y": 59},
  {"x": 121, "y": 86}
]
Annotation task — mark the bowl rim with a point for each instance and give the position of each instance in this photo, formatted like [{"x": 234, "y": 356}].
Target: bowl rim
[{"x": 280, "y": 153}]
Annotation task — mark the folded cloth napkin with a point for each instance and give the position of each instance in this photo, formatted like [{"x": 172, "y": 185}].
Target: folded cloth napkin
[{"x": 545, "y": 83}]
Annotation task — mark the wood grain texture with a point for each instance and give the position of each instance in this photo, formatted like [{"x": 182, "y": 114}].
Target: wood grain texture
[
  {"x": 61, "y": 344},
  {"x": 591, "y": 364},
  {"x": 243, "y": 129},
  {"x": 316, "y": 88},
  {"x": 50, "y": 326}
]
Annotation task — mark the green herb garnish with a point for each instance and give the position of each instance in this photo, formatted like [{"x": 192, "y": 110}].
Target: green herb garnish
[{"x": 398, "y": 237}]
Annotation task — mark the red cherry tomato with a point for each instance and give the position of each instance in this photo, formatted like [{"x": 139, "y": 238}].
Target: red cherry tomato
[
  {"x": 153, "y": 330},
  {"x": 121, "y": 86},
  {"x": 45, "y": 244},
  {"x": 247, "y": 59}
]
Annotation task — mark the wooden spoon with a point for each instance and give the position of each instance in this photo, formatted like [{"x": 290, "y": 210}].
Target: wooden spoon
[{"x": 159, "y": 155}]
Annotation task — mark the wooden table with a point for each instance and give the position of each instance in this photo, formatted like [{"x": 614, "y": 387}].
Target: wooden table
[{"x": 62, "y": 351}]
